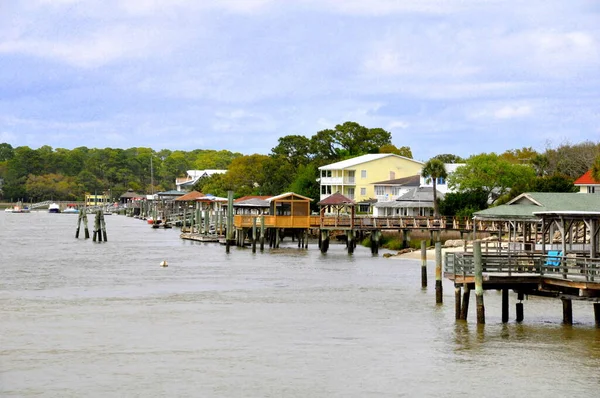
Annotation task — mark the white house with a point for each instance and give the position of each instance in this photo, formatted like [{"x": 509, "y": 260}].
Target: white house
[{"x": 185, "y": 183}]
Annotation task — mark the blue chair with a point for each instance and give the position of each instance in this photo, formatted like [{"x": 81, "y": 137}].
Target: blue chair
[{"x": 554, "y": 258}]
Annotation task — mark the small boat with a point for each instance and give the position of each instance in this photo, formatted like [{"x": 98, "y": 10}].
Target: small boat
[
  {"x": 53, "y": 208},
  {"x": 71, "y": 209},
  {"x": 19, "y": 209}
]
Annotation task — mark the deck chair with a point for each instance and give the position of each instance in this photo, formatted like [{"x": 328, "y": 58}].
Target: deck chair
[{"x": 554, "y": 258}]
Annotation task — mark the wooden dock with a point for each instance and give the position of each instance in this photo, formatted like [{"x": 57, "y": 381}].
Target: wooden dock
[{"x": 566, "y": 277}]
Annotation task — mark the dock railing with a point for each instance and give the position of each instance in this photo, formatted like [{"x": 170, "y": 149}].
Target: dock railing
[{"x": 567, "y": 267}]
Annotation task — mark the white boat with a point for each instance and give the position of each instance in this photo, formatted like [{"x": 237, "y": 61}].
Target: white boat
[
  {"x": 53, "y": 208},
  {"x": 71, "y": 209}
]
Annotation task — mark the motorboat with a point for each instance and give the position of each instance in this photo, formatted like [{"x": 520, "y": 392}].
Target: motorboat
[{"x": 53, "y": 208}]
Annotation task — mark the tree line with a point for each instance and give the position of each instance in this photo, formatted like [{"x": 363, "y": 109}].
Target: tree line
[{"x": 292, "y": 165}]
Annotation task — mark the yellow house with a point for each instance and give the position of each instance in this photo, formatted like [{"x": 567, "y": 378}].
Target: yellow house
[
  {"x": 97, "y": 200},
  {"x": 354, "y": 177}
]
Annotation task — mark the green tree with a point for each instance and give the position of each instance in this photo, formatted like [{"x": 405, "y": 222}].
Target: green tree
[
  {"x": 6, "y": 152},
  {"x": 293, "y": 148},
  {"x": 596, "y": 169},
  {"x": 432, "y": 170},
  {"x": 464, "y": 204},
  {"x": 491, "y": 173},
  {"x": 306, "y": 184},
  {"x": 247, "y": 174},
  {"x": 391, "y": 148},
  {"x": 449, "y": 158}
]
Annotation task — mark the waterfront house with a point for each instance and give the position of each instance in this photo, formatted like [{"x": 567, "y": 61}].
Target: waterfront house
[
  {"x": 390, "y": 190},
  {"x": 192, "y": 177},
  {"x": 587, "y": 184},
  {"x": 415, "y": 202},
  {"x": 354, "y": 177}
]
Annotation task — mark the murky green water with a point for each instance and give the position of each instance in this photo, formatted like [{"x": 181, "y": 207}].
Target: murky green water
[{"x": 84, "y": 319}]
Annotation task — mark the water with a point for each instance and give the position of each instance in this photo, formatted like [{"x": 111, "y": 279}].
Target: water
[{"x": 105, "y": 320}]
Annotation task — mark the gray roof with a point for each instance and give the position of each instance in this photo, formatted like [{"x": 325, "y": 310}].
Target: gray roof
[
  {"x": 252, "y": 202},
  {"x": 415, "y": 197},
  {"x": 528, "y": 205},
  {"x": 406, "y": 181}
]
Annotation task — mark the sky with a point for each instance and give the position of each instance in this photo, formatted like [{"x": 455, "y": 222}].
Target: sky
[{"x": 442, "y": 76}]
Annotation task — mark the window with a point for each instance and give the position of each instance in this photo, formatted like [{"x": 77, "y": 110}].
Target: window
[
  {"x": 441, "y": 181},
  {"x": 325, "y": 173},
  {"x": 591, "y": 189},
  {"x": 363, "y": 174},
  {"x": 350, "y": 193},
  {"x": 363, "y": 191},
  {"x": 379, "y": 190},
  {"x": 326, "y": 189},
  {"x": 395, "y": 191}
]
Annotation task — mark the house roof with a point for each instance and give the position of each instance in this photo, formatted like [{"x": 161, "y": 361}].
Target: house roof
[
  {"x": 131, "y": 194},
  {"x": 252, "y": 202},
  {"x": 172, "y": 192},
  {"x": 415, "y": 197},
  {"x": 284, "y": 195},
  {"x": 190, "y": 196},
  {"x": 336, "y": 199},
  {"x": 586, "y": 179},
  {"x": 244, "y": 198},
  {"x": 406, "y": 181},
  {"x": 363, "y": 159},
  {"x": 529, "y": 204}
]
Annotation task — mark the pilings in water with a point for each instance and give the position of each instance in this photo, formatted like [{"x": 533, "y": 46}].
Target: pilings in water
[
  {"x": 519, "y": 307},
  {"x": 478, "y": 262},
  {"x": 99, "y": 227},
  {"x": 423, "y": 264},
  {"x": 82, "y": 218},
  {"x": 567, "y": 311},
  {"x": 439, "y": 294}
]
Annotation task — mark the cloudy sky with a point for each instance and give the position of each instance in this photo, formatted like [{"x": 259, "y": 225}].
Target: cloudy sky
[{"x": 443, "y": 76}]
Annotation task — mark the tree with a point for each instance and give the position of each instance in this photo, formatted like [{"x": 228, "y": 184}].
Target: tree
[
  {"x": 294, "y": 148},
  {"x": 6, "y": 152},
  {"x": 391, "y": 148},
  {"x": 491, "y": 173},
  {"x": 432, "y": 170},
  {"x": 348, "y": 140},
  {"x": 572, "y": 160},
  {"x": 596, "y": 169},
  {"x": 306, "y": 184},
  {"x": 449, "y": 158},
  {"x": 247, "y": 174},
  {"x": 463, "y": 204}
]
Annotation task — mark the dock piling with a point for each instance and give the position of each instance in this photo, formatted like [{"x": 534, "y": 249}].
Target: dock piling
[
  {"x": 439, "y": 294},
  {"x": 567, "y": 311},
  {"x": 423, "y": 264},
  {"x": 478, "y": 262}
]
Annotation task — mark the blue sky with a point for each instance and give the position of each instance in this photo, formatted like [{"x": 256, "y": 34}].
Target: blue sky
[{"x": 443, "y": 76}]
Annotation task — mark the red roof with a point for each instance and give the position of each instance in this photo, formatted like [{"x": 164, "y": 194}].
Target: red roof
[
  {"x": 586, "y": 179},
  {"x": 190, "y": 196}
]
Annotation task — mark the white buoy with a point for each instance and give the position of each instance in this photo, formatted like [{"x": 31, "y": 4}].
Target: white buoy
[{"x": 164, "y": 263}]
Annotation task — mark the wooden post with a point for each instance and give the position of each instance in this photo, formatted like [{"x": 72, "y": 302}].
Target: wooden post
[
  {"x": 505, "y": 304},
  {"x": 423, "y": 264},
  {"x": 103, "y": 225},
  {"x": 439, "y": 294},
  {"x": 277, "y": 238},
  {"x": 324, "y": 240},
  {"x": 597, "y": 314},
  {"x": 567, "y": 311},
  {"x": 457, "y": 303},
  {"x": 254, "y": 235},
  {"x": 350, "y": 241},
  {"x": 464, "y": 311},
  {"x": 519, "y": 307},
  {"x": 97, "y": 228},
  {"x": 479, "y": 282},
  {"x": 262, "y": 233},
  {"x": 229, "y": 232}
]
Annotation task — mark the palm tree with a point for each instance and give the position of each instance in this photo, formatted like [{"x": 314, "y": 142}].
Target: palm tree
[
  {"x": 432, "y": 170},
  {"x": 596, "y": 169}
]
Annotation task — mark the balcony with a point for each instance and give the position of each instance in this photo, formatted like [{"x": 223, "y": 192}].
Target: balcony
[{"x": 331, "y": 180}]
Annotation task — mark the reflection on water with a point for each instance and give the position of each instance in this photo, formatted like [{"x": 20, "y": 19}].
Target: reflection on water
[{"x": 104, "y": 319}]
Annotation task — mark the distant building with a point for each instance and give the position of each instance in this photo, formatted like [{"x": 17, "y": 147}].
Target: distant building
[
  {"x": 354, "y": 177},
  {"x": 587, "y": 184},
  {"x": 441, "y": 183},
  {"x": 186, "y": 183}
]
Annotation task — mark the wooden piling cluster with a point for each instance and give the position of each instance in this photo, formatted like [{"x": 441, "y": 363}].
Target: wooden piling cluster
[{"x": 99, "y": 226}]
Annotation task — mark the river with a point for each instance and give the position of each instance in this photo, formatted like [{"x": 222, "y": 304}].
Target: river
[{"x": 85, "y": 319}]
